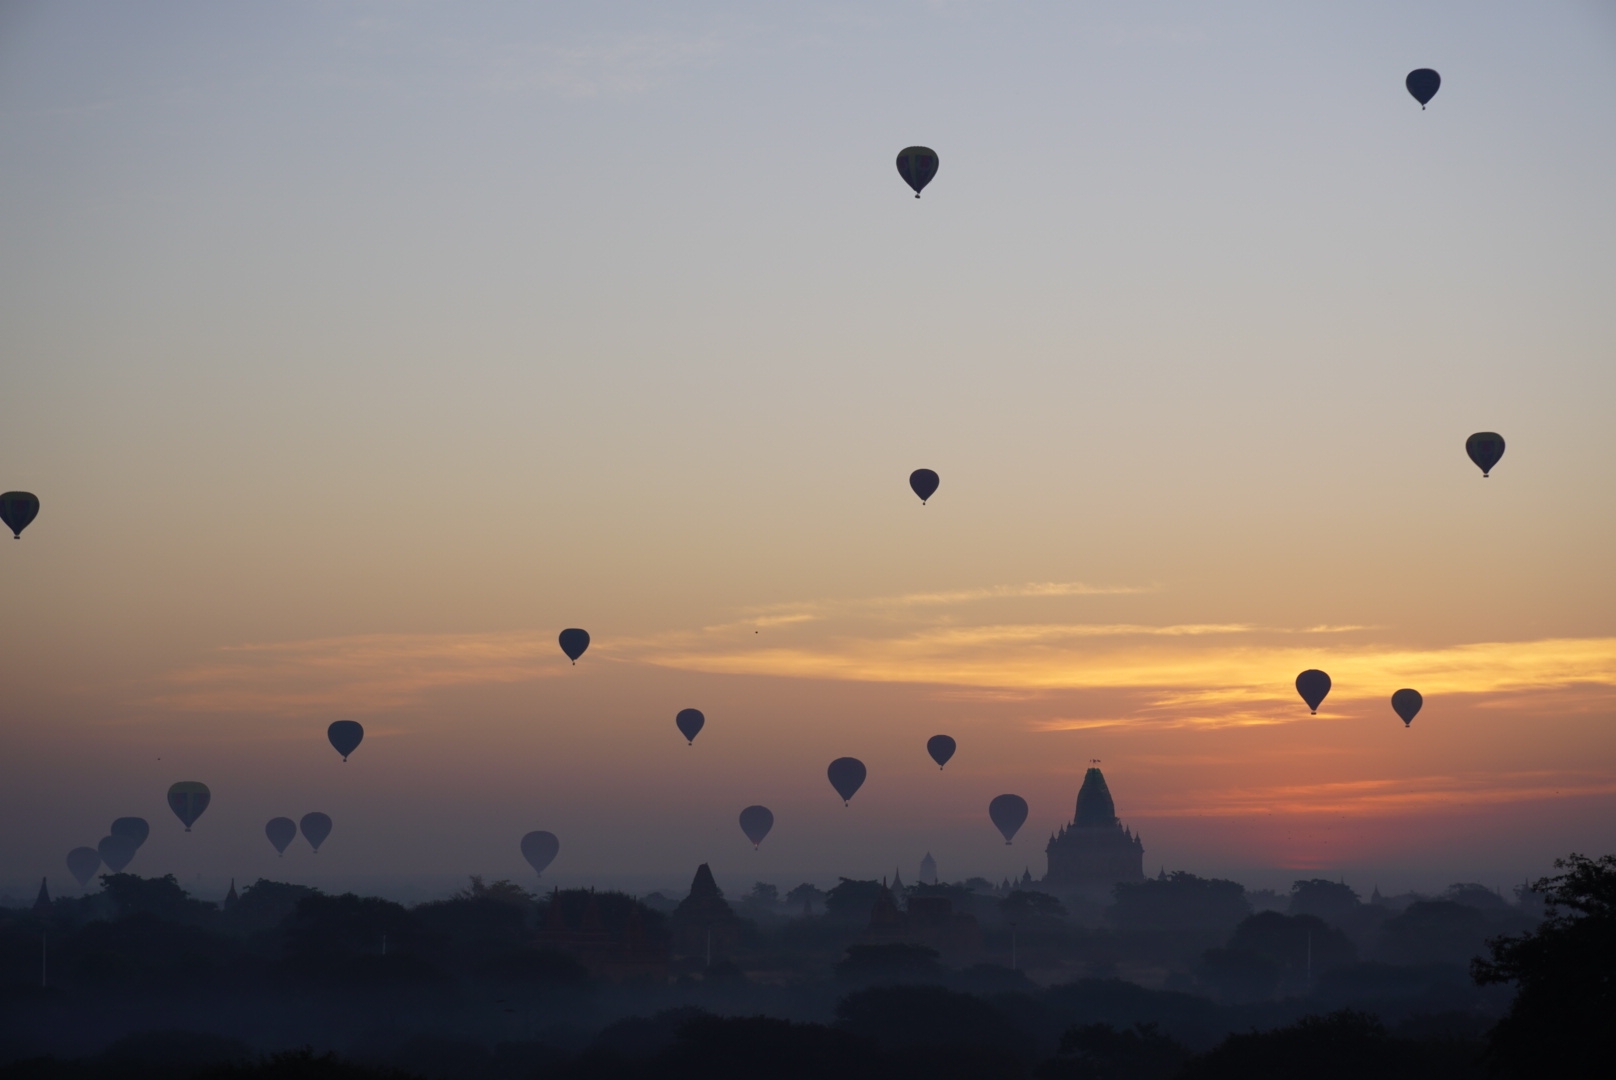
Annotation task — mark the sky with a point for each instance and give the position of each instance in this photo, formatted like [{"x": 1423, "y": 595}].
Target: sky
[{"x": 356, "y": 349}]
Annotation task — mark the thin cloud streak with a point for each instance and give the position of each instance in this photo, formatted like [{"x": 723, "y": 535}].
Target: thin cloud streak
[{"x": 1366, "y": 798}]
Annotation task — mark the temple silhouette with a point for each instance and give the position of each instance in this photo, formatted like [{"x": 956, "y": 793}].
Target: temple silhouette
[{"x": 1094, "y": 852}]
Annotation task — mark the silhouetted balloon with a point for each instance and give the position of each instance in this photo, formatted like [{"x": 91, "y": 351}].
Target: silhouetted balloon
[
  {"x": 756, "y": 821},
  {"x": 116, "y": 851},
  {"x": 316, "y": 827},
  {"x": 690, "y": 723},
  {"x": 573, "y": 643},
  {"x": 188, "y": 799},
  {"x": 135, "y": 828},
  {"x": 941, "y": 748},
  {"x": 540, "y": 849},
  {"x": 846, "y": 776},
  {"x": 281, "y": 832},
  {"x": 17, "y": 509},
  {"x": 917, "y": 165},
  {"x": 82, "y": 863},
  {"x": 1423, "y": 83},
  {"x": 924, "y": 483},
  {"x": 1407, "y": 703},
  {"x": 1313, "y": 684},
  {"x": 346, "y": 735},
  {"x": 1008, "y": 812},
  {"x": 1485, "y": 448}
]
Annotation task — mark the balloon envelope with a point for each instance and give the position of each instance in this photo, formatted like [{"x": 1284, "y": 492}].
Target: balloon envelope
[
  {"x": 188, "y": 799},
  {"x": 1008, "y": 812},
  {"x": 316, "y": 827},
  {"x": 1407, "y": 703},
  {"x": 17, "y": 509},
  {"x": 917, "y": 165},
  {"x": 1313, "y": 684},
  {"x": 135, "y": 828},
  {"x": 690, "y": 723},
  {"x": 1423, "y": 83},
  {"x": 756, "y": 821},
  {"x": 941, "y": 748},
  {"x": 1485, "y": 448},
  {"x": 924, "y": 483},
  {"x": 281, "y": 832},
  {"x": 574, "y": 642},
  {"x": 345, "y": 736},
  {"x": 82, "y": 863},
  {"x": 846, "y": 776},
  {"x": 540, "y": 849},
  {"x": 116, "y": 851}
]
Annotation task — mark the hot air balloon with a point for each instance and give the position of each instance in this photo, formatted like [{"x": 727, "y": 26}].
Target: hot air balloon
[
  {"x": 756, "y": 821},
  {"x": 917, "y": 165},
  {"x": 135, "y": 828},
  {"x": 1423, "y": 83},
  {"x": 1008, "y": 813},
  {"x": 846, "y": 776},
  {"x": 345, "y": 736},
  {"x": 82, "y": 863},
  {"x": 116, "y": 851},
  {"x": 924, "y": 483},
  {"x": 17, "y": 509},
  {"x": 941, "y": 748},
  {"x": 574, "y": 642},
  {"x": 1406, "y": 703},
  {"x": 316, "y": 827},
  {"x": 1313, "y": 684},
  {"x": 540, "y": 849},
  {"x": 188, "y": 799},
  {"x": 1485, "y": 448},
  {"x": 690, "y": 722},
  {"x": 281, "y": 832}
]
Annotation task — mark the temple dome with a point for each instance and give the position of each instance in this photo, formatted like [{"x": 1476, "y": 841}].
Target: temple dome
[{"x": 1094, "y": 805}]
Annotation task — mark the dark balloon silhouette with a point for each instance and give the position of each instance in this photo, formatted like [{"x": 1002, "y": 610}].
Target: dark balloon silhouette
[
  {"x": 846, "y": 776},
  {"x": 690, "y": 722},
  {"x": 345, "y": 736},
  {"x": 1313, "y": 684},
  {"x": 188, "y": 799},
  {"x": 574, "y": 642},
  {"x": 917, "y": 165},
  {"x": 941, "y": 748},
  {"x": 1423, "y": 83},
  {"x": 316, "y": 827},
  {"x": 540, "y": 849},
  {"x": 17, "y": 509},
  {"x": 924, "y": 483},
  {"x": 281, "y": 832},
  {"x": 1008, "y": 813},
  {"x": 135, "y": 828},
  {"x": 1407, "y": 704},
  {"x": 1485, "y": 448},
  {"x": 116, "y": 851},
  {"x": 756, "y": 821},
  {"x": 82, "y": 863}
]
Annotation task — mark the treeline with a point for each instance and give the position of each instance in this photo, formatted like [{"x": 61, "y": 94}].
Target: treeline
[{"x": 494, "y": 982}]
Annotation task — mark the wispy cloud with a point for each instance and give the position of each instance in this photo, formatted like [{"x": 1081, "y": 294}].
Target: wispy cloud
[{"x": 1384, "y": 796}]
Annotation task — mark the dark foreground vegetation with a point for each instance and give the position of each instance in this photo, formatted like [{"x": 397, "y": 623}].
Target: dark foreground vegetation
[{"x": 142, "y": 980}]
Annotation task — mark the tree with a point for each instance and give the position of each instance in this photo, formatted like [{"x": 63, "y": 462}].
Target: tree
[
  {"x": 1434, "y": 932},
  {"x": 1332, "y": 901},
  {"x": 1180, "y": 901},
  {"x": 1101, "y": 1052},
  {"x": 806, "y": 896},
  {"x": 161, "y": 896},
  {"x": 1563, "y": 1019},
  {"x": 851, "y": 900},
  {"x": 1032, "y": 910}
]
